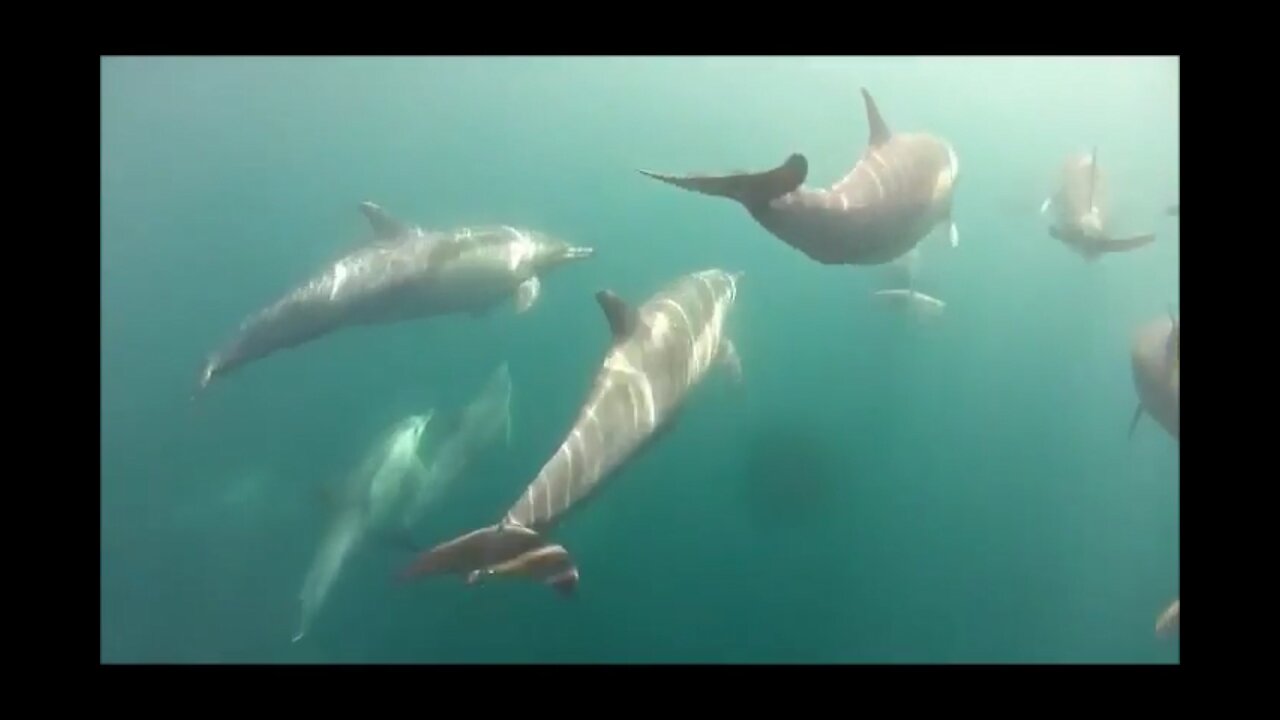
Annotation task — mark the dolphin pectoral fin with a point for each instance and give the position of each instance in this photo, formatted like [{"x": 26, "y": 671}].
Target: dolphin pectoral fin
[
  {"x": 385, "y": 227},
  {"x": 1130, "y": 242},
  {"x": 750, "y": 189},
  {"x": 527, "y": 294},
  {"x": 732, "y": 361},
  {"x": 1137, "y": 415}
]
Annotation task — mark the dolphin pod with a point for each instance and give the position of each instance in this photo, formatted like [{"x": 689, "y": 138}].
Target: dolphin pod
[{"x": 900, "y": 190}]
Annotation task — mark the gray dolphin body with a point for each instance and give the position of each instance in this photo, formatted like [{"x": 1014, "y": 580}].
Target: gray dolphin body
[
  {"x": 660, "y": 351},
  {"x": 899, "y": 191},
  {"x": 1079, "y": 215},
  {"x": 1155, "y": 357},
  {"x": 402, "y": 273},
  {"x": 378, "y": 497}
]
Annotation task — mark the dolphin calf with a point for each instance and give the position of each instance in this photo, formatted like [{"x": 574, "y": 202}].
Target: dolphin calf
[
  {"x": 1078, "y": 204},
  {"x": 659, "y": 352},
  {"x": 897, "y": 193},
  {"x": 373, "y": 498},
  {"x": 1155, "y": 358},
  {"x": 401, "y": 273}
]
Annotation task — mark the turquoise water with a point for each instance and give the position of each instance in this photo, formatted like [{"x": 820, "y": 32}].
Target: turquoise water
[{"x": 875, "y": 490}]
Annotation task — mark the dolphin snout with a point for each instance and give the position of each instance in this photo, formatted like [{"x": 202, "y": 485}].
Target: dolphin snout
[{"x": 578, "y": 253}]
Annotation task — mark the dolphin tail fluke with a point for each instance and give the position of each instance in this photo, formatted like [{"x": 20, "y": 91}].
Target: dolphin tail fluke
[
  {"x": 502, "y": 549},
  {"x": 750, "y": 189}
]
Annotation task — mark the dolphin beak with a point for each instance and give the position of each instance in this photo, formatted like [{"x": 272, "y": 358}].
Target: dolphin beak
[{"x": 578, "y": 253}]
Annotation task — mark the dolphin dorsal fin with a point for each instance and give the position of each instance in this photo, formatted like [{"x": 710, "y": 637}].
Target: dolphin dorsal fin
[
  {"x": 880, "y": 132},
  {"x": 621, "y": 316},
  {"x": 385, "y": 227}
]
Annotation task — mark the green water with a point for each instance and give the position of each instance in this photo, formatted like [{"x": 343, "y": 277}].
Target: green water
[{"x": 875, "y": 490}]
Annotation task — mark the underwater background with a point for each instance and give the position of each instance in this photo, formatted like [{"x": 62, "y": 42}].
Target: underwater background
[{"x": 874, "y": 490}]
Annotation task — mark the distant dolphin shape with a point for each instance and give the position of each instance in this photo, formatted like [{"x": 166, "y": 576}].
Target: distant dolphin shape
[
  {"x": 1078, "y": 204},
  {"x": 1168, "y": 620},
  {"x": 402, "y": 273},
  {"x": 465, "y": 435},
  {"x": 372, "y": 499},
  {"x": 897, "y": 193},
  {"x": 917, "y": 304},
  {"x": 659, "y": 353},
  {"x": 1155, "y": 358}
]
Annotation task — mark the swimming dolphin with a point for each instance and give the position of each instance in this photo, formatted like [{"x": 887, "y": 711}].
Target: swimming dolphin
[
  {"x": 373, "y": 498},
  {"x": 466, "y": 435},
  {"x": 1079, "y": 221},
  {"x": 660, "y": 351},
  {"x": 914, "y": 302},
  {"x": 1155, "y": 358},
  {"x": 402, "y": 273},
  {"x": 897, "y": 193}
]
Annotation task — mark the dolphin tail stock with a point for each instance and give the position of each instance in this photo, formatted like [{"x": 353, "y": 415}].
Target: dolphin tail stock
[
  {"x": 341, "y": 538},
  {"x": 505, "y": 548},
  {"x": 750, "y": 189}
]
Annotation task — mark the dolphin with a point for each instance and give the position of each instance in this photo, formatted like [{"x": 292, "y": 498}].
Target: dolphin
[
  {"x": 918, "y": 304},
  {"x": 372, "y": 499},
  {"x": 467, "y": 434},
  {"x": 401, "y": 273},
  {"x": 1079, "y": 221},
  {"x": 899, "y": 191},
  {"x": 1155, "y": 357},
  {"x": 658, "y": 354}
]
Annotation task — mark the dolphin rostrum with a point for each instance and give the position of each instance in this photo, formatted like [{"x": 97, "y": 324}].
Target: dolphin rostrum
[
  {"x": 401, "y": 273},
  {"x": 1155, "y": 356},
  {"x": 378, "y": 497},
  {"x": 659, "y": 352},
  {"x": 1078, "y": 204},
  {"x": 897, "y": 193}
]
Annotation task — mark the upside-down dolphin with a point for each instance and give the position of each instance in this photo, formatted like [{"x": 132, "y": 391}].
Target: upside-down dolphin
[
  {"x": 401, "y": 273},
  {"x": 377, "y": 497},
  {"x": 659, "y": 352},
  {"x": 1078, "y": 204},
  {"x": 1155, "y": 358},
  {"x": 897, "y": 193}
]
